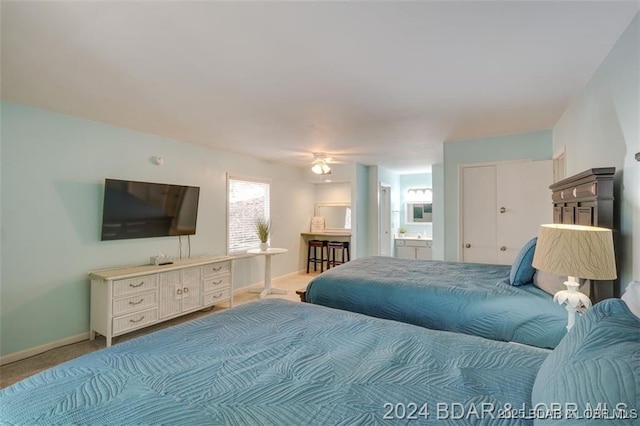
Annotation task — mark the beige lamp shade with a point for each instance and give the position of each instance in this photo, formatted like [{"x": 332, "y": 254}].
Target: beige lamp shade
[{"x": 576, "y": 251}]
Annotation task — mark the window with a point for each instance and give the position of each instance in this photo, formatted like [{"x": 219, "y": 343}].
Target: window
[{"x": 248, "y": 199}]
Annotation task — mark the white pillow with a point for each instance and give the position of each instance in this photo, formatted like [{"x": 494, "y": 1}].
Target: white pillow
[{"x": 632, "y": 297}]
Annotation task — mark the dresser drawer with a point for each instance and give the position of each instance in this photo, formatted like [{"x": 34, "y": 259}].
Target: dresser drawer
[
  {"x": 135, "y": 303},
  {"x": 217, "y": 296},
  {"x": 216, "y": 268},
  {"x": 134, "y": 320},
  {"x": 135, "y": 285},
  {"x": 418, "y": 243},
  {"x": 217, "y": 283}
]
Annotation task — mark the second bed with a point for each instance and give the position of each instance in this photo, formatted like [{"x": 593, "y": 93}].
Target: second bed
[{"x": 468, "y": 298}]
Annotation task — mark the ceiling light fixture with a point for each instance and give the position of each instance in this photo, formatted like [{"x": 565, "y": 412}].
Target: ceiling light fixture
[{"x": 320, "y": 166}]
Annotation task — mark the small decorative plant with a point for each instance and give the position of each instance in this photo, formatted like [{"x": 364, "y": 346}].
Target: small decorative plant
[
  {"x": 263, "y": 229},
  {"x": 402, "y": 230}
]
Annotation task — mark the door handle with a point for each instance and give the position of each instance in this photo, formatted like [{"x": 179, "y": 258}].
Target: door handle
[
  {"x": 502, "y": 210},
  {"x": 467, "y": 245}
]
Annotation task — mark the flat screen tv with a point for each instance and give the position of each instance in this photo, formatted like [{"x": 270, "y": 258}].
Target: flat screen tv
[{"x": 143, "y": 209}]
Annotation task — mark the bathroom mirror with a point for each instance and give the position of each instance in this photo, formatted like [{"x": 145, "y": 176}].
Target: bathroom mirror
[
  {"x": 419, "y": 212},
  {"x": 337, "y": 215}
]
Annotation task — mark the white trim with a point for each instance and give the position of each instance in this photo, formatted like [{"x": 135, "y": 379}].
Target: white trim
[
  {"x": 559, "y": 159},
  {"x": 27, "y": 353},
  {"x": 278, "y": 278},
  {"x": 248, "y": 178},
  {"x": 289, "y": 275},
  {"x": 559, "y": 153}
]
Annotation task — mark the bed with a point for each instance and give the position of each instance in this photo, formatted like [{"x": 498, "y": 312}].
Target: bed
[
  {"x": 493, "y": 301},
  {"x": 471, "y": 298},
  {"x": 281, "y": 362}
]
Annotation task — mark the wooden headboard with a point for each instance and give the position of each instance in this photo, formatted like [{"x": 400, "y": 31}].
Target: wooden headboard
[{"x": 587, "y": 199}]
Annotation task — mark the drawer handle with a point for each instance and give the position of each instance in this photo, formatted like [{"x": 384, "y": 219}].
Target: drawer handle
[
  {"x": 136, "y": 303},
  {"x": 218, "y": 295},
  {"x": 217, "y": 268},
  {"x": 217, "y": 282},
  {"x": 136, "y": 285},
  {"x": 136, "y": 321},
  {"x": 186, "y": 290},
  {"x": 179, "y": 291},
  {"x": 503, "y": 248}
]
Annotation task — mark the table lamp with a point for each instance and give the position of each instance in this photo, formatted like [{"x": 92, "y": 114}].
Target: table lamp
[{"x": 578, "y": 252}]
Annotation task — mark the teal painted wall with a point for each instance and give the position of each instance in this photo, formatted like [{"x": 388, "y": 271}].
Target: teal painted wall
[
  {"x": 52, "y": 174},
  {"x": 601, "y": 128},
  {"x": 437, "y": 177},
  {"x": 361, "y": 198},
  {"x": 531, "y": 146}
]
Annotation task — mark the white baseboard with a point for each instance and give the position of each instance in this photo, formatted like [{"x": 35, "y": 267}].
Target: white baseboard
[
  {"x": 17, "y": 356},
  {"x": 273, "y": 279},
  {"x": 283, "y": 277}
]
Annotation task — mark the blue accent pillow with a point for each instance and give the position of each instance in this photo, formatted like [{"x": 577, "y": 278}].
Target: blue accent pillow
[
  {"x": 596, "y": 366},
  {"x": 522, "y": 269}
]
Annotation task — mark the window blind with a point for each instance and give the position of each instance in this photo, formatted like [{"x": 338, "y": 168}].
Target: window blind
[{"x": 248, "y": 200}]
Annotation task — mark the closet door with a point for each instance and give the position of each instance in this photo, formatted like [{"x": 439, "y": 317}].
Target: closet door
[
  {"x": 479, "y": 231},
  {"x": 523, "y": 205},
  {"x": 502, "y": 207}
]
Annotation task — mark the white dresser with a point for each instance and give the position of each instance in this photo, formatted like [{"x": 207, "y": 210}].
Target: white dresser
[{"x": 133, "y": 297}]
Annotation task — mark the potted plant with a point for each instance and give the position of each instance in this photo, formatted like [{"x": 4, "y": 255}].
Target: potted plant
[
  {"x": 263, "y": 228},
  {"x": 402, "y": 231}
]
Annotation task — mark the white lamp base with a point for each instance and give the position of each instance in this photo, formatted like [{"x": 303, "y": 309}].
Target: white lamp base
[{"x": 573, "y": 299}]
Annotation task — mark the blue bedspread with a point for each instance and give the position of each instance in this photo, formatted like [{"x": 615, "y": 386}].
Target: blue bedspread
[
  {"x": 462, "y": 297},
  {"x": 283, "y": 363},
  {"x": 594, "y": 373}
]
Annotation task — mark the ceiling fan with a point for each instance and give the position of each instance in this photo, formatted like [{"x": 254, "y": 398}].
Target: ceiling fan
[{"x": 320, "y": 164}]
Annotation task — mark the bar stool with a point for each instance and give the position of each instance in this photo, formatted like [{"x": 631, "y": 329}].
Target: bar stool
[
  {"x": 315, "y": 258},
  {"x": 343, "y": 246}
]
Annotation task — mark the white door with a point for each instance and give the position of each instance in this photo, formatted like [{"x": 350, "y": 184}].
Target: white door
[
  {"x": 478, "y": 214},
  {"x": 503, "y": 206},
  {"x": 385, "y": 221},
  {"x": 524, "y": 203}
]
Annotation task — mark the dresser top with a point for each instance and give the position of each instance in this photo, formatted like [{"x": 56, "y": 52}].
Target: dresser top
[
  {"x": 137, "y": 270},
  {"x": 586, "y": 176}
]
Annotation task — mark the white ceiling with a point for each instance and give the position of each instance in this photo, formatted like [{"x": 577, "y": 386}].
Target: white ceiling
[{"x": 371, "y": 82}]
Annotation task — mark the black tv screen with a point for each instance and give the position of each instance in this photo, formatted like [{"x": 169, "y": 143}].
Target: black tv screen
[{"x": 143, "y": 209}]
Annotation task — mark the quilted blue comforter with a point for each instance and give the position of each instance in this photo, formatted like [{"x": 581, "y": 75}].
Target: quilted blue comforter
[
  {"x": 594, "y": 373},
  {"x": 279, "y": 362},
  {"x": 467, "y": 298}
]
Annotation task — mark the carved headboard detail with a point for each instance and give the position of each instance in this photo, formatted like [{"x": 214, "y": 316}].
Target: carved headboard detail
[{"x": 587, "y": 199}]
